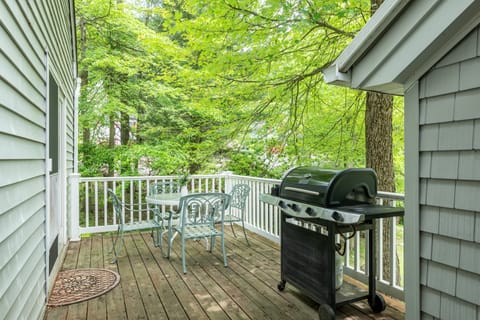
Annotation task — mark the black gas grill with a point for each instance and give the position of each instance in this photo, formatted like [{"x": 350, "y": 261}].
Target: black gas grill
[{"x": 318, "y": 207}]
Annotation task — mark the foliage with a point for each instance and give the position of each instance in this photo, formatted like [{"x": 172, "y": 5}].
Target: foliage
[{"x": 204, "y": 86}]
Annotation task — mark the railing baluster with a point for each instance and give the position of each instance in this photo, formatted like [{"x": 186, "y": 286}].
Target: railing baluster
[
  {"x": 357, "y": 252},
  {"x": 393, "y": 251},
  {"x": 347, "y": 254},
  {"x": 95, "y": 188},
  {"x": 380, "y": 249},
  {"x": 105, "y": 203},
  {"x": 87, "y": 209}
]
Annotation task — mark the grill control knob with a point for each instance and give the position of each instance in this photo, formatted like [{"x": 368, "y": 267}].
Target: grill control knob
[
  {"x": 282, "y": 204},
  {"x": 309, "y": 211},
  {"x": 295, "y": 207},
  {"x": 337, "y": 216}
]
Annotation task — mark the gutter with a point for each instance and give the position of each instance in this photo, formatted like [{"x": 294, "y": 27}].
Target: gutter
[{"x": 339, "y": 73}]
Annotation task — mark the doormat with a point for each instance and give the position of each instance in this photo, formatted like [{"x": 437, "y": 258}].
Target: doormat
[{"x": 78, "y": 285}]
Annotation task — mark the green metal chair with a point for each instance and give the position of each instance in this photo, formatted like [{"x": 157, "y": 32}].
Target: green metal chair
[
  {"x": 120, "y": 211},
  {"x": 198, "y": 214},
  {"x": 236, "y": 210},
  {"x": 163, "y": 219},
  {"x": 164, "y": 187}
]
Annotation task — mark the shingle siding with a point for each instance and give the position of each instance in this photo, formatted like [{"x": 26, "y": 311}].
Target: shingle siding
[
  {"x": 425, "y": 164},
  {"x": 469, "y": 165},
  {"x": 440, "y": 192},
  {"x": 430, "y": 301},
  {"x": 467, "y": 105},
  {"x": 467, "y": 195},
  {"x": 476, "y": 136},
  {"x": 477, "y": 228},
  {"x": 430, "y": 219},
  {"x": 456, "y": 136},
  {"x": 429, "y": 137},
  {"x": 470, "y": 256},
  {"x": 458, "y": 224},
  {"x": 439, "y": 109},
  {"x": 468, "y": 286},
  {"x": 426, "y": 245},
  {"x": 445, "y": 250},
  {"x": 444, "y": 165},
  {"x": 469, "y": 71},
  {"x": 449, "y": 160},
  {"x": 442, "y": 80},
  {"x": 452, "y": 308},
  {"x": 442, "y": 277},
  {"x": 465, "y": 50}
]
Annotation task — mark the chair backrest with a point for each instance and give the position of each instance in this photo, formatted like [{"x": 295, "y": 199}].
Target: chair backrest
[
  {"x": 164, "y": 187},
  {"x": 239, "y": 196},
  {"x": 203, "y": 208},
  {"x": 117, "y": 206}
]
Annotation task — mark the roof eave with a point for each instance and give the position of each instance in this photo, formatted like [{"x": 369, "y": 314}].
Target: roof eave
[
  {"x": 332, "y": 75},
  {"x": 339, "y": 72}
]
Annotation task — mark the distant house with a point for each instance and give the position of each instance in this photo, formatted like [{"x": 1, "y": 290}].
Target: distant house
[
  {"x": 429, "y": 51},
  {"x": 37, "y": 148}
]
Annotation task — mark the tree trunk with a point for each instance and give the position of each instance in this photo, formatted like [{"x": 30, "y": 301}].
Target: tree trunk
[
  {"x": 111, "y": 132},
  {"x": 378, "y": 139},
  {"x": 86, "y": 132},
  {"x": 379, "y": 155},
  {"x": 124, "y": 128}
]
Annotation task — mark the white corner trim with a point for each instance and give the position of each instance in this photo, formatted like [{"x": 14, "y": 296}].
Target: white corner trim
[{"x": 412, "y": 203}]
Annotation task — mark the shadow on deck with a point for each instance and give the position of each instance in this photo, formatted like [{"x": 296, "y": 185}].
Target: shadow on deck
[{"x": 153, "y": 287}]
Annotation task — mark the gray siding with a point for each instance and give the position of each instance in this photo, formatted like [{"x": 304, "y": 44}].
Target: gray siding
[
  {"x": 27, "y": 30},
  {"x": 449, "y": 160}
]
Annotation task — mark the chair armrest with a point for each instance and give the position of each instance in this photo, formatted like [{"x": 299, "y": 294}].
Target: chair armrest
[{"x": 135, "y": 207}]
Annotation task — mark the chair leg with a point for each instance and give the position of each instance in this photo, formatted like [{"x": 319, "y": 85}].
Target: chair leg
[
  {"x": 161, "y": 234},
  {"x": 212, "y": 243},
  {"x": 233, "y": 230},
  {"x": 223, "y": 251},
  {"x": 169, "y": 242},
  {"x": 117, "y": 245},
  {"x": 156, "y": 238},
  {"x": 245, "y": 233},
  {"x": 183, "y": 257}
]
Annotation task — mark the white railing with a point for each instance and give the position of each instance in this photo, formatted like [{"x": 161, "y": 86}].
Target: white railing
[{"x": 92, "y": 213}]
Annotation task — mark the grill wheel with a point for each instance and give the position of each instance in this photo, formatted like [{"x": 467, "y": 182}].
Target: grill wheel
[
  {"x": 325, "y": 312},
  {"x": 378, "y": 304}
]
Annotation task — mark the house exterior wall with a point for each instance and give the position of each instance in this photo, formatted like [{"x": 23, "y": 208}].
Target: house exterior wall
[
  {"x": 28, "y": 30},
  {"x": 449, "y": 190}
]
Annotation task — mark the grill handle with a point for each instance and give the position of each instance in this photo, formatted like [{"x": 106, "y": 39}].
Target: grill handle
[{"x": 315, "y": 193}]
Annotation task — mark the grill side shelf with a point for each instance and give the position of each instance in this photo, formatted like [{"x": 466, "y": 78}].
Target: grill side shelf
[{"x": 309, "y": 211}]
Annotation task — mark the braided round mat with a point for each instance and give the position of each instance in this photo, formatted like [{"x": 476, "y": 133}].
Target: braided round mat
[{"x": 77, "y": 285}]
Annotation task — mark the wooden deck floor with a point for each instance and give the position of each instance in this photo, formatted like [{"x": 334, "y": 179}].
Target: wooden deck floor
[{"x": 153, "y": 287}]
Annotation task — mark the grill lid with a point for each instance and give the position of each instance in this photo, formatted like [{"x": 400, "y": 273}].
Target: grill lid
[{"x": 329, "y": 188}]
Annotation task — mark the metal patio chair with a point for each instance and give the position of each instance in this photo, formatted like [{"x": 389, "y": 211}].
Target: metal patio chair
[
  {"x": 121, "y": 210},
  {"x": 198, "y": 214},
  {"x": 236, "y": 209}
]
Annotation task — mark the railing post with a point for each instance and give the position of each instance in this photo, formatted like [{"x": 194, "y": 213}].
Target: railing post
[
  {"x": 73, "y": 222},
  {"x": 228, "y": 181}
]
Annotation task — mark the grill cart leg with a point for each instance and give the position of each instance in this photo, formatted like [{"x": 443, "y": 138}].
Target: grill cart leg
[
  {"x": 325, "y": 312},
  {"x": 375, "y": 300},
  {"x": 378, "y": 304},
  {"x": 281, "y": 285}
]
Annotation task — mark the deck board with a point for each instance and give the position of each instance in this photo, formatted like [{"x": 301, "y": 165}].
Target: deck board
[{"x": 153, "y": 287}]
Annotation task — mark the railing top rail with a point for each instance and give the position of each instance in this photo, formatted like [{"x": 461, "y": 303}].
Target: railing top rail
[
  {"x": 390, "y": 195},
  {"x": 249, "y": 178},
  {"x": 137, "y": 178},
  {"x": 380, "y": 194}
]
